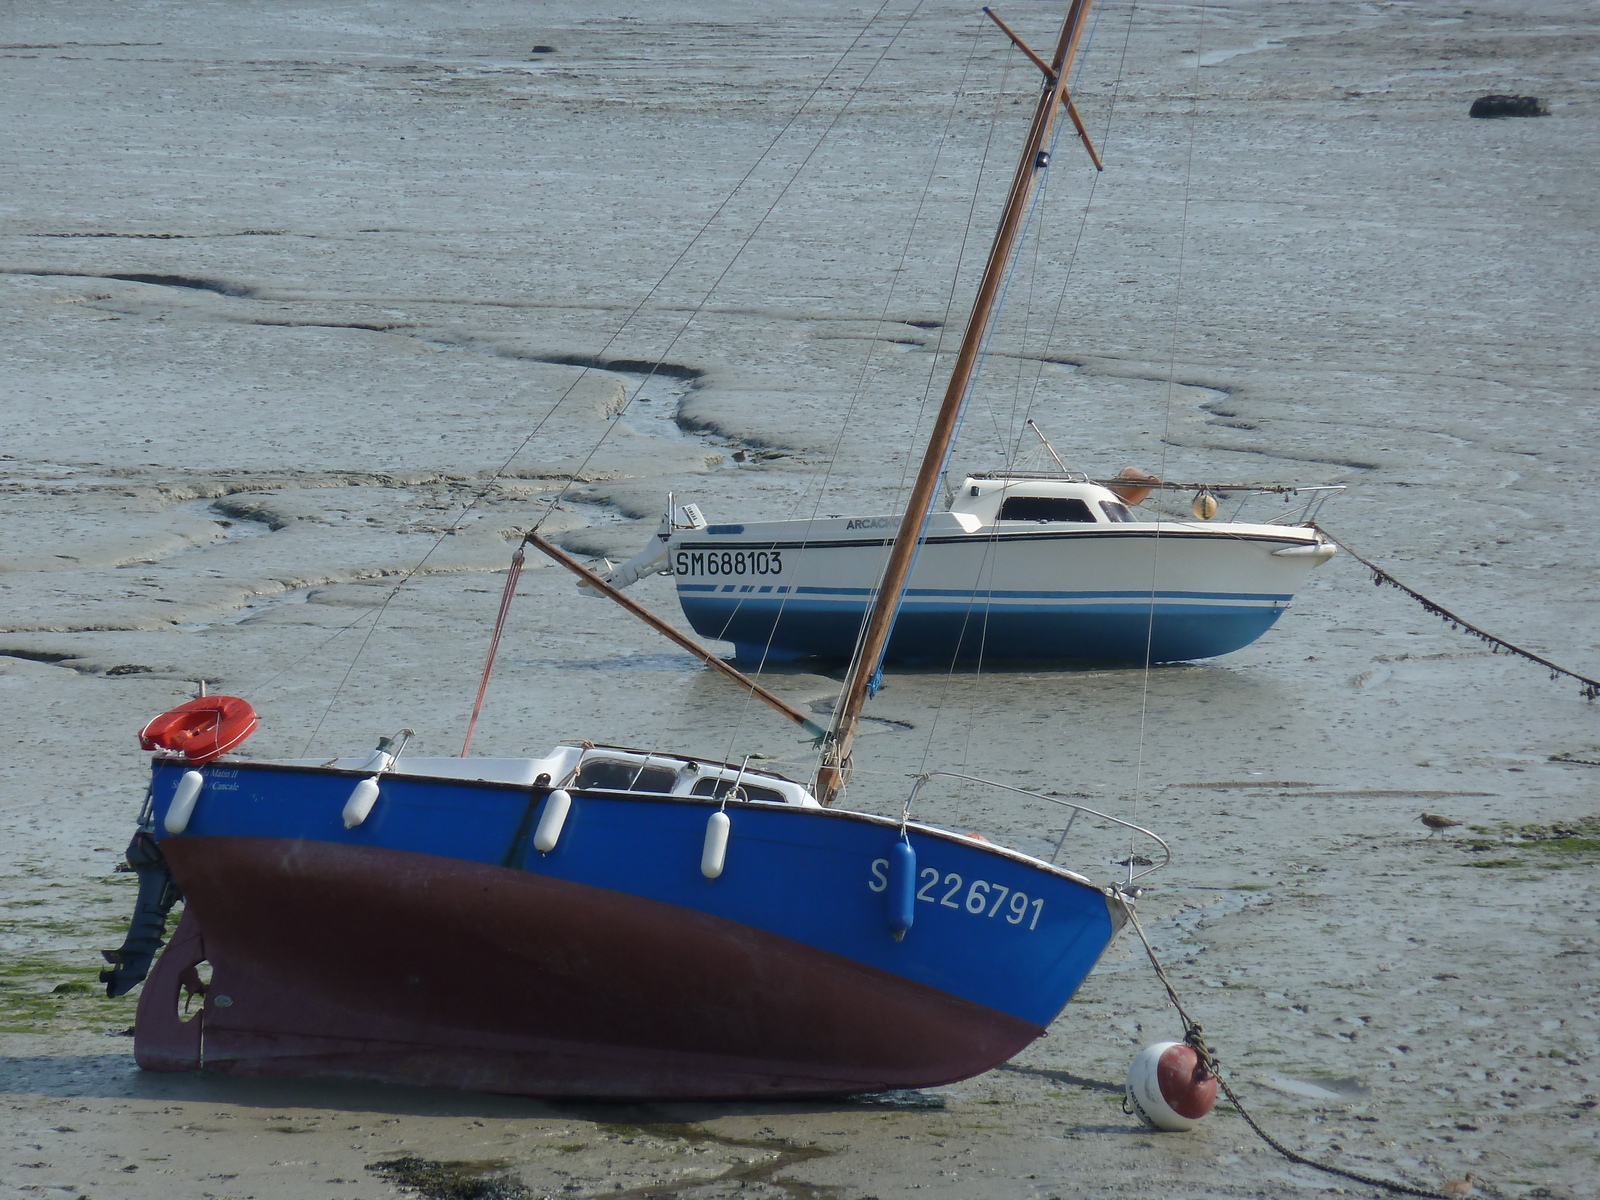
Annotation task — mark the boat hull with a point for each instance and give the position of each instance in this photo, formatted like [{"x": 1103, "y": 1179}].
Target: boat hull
[
  {"x": 1120, "y": 592},
  {"x": 433, "y": 945},
  {"x": 491, "y": 979}
]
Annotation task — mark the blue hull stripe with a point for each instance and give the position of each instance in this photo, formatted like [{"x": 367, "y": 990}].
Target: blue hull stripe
[
  {"x": 992, "y": 538},
  {"x": 979, "y": 598},
  {"x": 930, "y": 631}
]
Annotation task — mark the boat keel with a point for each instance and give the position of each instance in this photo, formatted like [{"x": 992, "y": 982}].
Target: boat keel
[{"x": 164, "y": 1037}]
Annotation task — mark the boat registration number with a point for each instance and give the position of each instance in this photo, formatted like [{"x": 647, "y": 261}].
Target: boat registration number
[
  {"x": 729, "y": 562},
  {"x": 979, "y": 897}
]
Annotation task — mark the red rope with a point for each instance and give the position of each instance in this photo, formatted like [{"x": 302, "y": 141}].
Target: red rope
[{"x": 494, "y": 643}]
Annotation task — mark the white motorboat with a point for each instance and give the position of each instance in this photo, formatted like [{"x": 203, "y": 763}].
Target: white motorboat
[{"x": 1018, "y": 566}]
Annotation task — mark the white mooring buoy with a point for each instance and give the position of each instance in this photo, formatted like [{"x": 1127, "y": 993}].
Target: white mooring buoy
[
  {"x": 548, "y": 832},
  {"x": 359, "y": 807},
  {"x": 1167, "y": 1088},
  {"x": 183, "y": 798},
  {"x": 714, "y": 854}
]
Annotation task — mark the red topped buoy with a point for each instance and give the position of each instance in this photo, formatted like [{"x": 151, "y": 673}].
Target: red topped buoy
[
  {"x": 201, "y": 729},
  {"x": 1168, "y": 1088}
]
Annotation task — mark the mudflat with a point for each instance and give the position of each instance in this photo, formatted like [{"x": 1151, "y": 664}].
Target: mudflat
[{"x": 299, "y": 301}]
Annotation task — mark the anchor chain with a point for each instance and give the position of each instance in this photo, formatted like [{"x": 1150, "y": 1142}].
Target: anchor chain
[{"x": 1194, "y": 1036}]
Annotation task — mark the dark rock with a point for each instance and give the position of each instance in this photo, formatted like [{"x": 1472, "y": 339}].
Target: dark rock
[
  {"x": 1509, "y": 106},
  {"x": 130, "y": 669},
  {"x": 543, "y": 50}
]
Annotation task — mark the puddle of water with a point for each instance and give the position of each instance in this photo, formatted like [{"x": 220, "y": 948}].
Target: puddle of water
[
  {"x": 259, "y": 607},
  {"x": 595, "y": 513},
  {"x": 1330, "y": 1089},
  {"x": 1213, "y": 58},
  {"x": 1298, "y": 1087},
  {"x": 674, "y": 663},
  {"x": 232, "y": 527},
  {"x": 900, "y": 1098},
  {"x": 652, "y": 411},
  {"x": 653, "y": 404}
]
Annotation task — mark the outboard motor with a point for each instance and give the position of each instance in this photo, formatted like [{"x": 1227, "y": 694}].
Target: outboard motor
[{"x": 158, "y": 892}]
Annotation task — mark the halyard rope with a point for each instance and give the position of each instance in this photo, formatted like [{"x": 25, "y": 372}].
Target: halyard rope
[
  {"x": 1195, "y": 1038},
  {"x": 1382, "y": 578}
]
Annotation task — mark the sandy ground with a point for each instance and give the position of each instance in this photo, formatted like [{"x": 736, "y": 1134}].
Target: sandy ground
[{"x": 286, "y": 285}]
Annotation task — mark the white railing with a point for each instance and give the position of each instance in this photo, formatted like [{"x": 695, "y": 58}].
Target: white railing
[{"x": 1130, "y": 862}]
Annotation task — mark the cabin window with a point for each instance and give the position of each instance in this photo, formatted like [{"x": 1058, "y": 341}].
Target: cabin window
[
  {"x": 718, "y": 788},
  {"x": 1117, "y": 512},
  {"x": 1045, "y": 508},
  {"x": 608, "y": 775}
]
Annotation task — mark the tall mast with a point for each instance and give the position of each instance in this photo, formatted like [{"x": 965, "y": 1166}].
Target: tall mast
[{"x": 834, "y": 770}]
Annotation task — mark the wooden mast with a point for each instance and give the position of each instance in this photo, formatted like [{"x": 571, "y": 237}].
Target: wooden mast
[{"x": 834, "y": 769}]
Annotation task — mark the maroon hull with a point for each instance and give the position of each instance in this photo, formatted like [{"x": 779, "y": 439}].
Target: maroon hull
[{"x": 352, "y": 962}]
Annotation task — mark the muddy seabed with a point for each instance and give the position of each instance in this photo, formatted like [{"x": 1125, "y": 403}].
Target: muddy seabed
[{"x": 286, "y": 284}]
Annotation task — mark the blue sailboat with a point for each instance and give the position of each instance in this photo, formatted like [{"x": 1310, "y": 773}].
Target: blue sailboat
[{"x": 602, "y": 921}]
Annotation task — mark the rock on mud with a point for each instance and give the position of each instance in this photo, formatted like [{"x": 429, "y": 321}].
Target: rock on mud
[{"x": 1509, "y": 106}]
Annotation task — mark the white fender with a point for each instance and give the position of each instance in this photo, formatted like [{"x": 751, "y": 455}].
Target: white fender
[
  {"x": 359, "y": 807},
  {"x": 183, "y": 800},
  {"x": 556, "y": 806},
  {"x": 1320, "y": 551},
  {"x": 714, "y": 855}
]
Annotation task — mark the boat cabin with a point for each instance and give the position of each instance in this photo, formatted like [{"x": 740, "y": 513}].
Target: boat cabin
[
  {"x": 611, "y": 769},
  {"x": 1046, "y": 499},
  {"x": 586, "y": 767}
]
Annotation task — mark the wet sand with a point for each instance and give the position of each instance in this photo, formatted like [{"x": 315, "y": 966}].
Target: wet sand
[{"x": 286, "y": 286}]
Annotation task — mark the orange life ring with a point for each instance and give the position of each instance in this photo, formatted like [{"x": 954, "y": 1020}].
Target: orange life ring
[{"x": 201, "y": 729}]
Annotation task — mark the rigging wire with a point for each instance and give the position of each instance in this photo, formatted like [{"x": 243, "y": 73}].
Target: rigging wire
[
  {"x": 771, "y": 208},
  {"x": 1008, "y": 444},
  {"x": 1166, "y": 425},
  {"x": 1083, "y": 221},
  {"x": 944, "y": 323},
  {"x": 1066, "y": 277},
  {"x": 1037, "y": 206},
  {"x": 626, "y": 322},
  {"x": 762, "y": 220},
  {"x": 883, "y": 319},
  {"x": 1008, "y": 275}
]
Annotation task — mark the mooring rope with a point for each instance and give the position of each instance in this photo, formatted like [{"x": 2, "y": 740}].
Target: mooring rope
[
  {"x": 1195, "y": 1038},
  {"x": 1382, "y": 578}
]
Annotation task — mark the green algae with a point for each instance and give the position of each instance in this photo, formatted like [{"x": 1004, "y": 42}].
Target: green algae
[{"x": 435, "y": 1179}]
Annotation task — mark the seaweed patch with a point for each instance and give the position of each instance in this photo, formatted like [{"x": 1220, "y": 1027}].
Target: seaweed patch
[{"x": 433, "y": 1179}]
